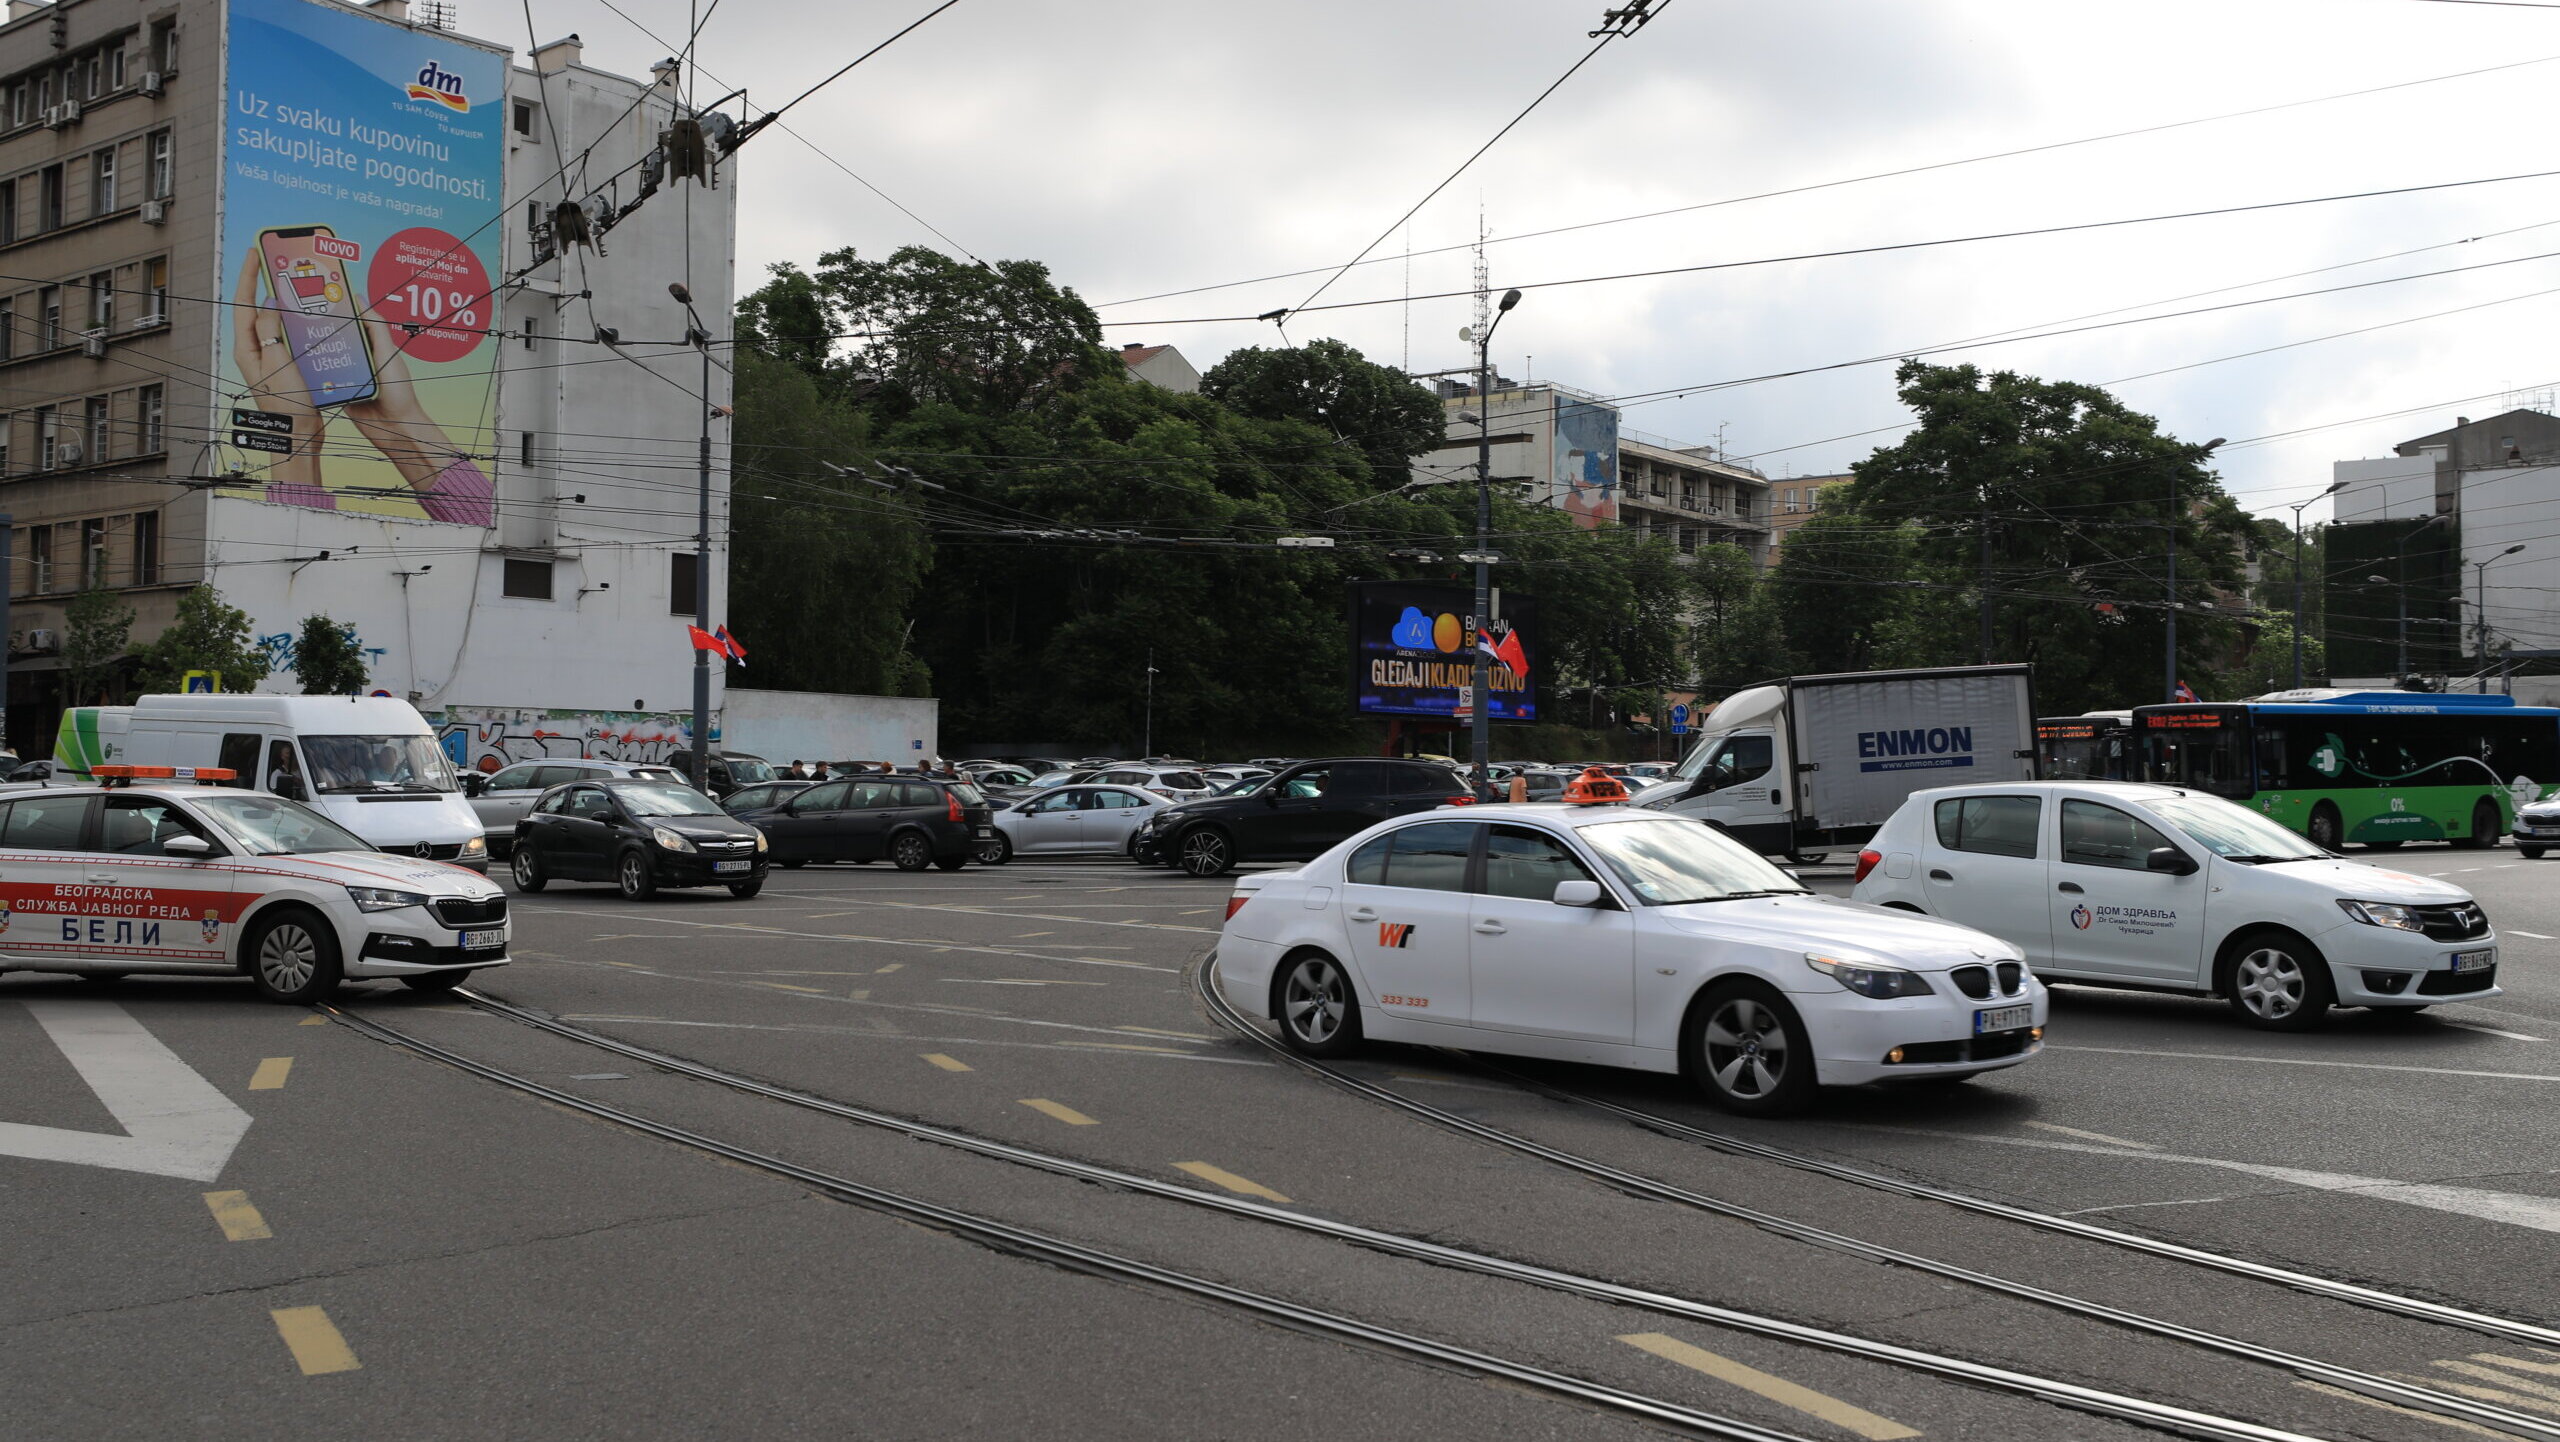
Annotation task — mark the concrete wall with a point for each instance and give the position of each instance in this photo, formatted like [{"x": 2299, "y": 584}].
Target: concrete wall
[
  {"x": 2394, "y": 488},
  {"x": 784, "y": 726},
  {"x": 2501, "y": 507}
]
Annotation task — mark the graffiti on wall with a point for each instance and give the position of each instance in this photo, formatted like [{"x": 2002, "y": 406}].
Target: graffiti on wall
[
  {"x": 284, "y": 648},
  {"x": 485, "y": 738}
]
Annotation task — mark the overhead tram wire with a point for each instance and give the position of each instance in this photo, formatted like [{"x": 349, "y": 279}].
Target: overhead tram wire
[
  {"x": 1644, "y": 12},
  {"x": 1860, "y": 179}
]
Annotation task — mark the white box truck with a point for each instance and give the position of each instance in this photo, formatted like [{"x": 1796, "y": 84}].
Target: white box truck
[
  {"x": 1813, "y": 763},
  {"x": 369, "y": 763}
]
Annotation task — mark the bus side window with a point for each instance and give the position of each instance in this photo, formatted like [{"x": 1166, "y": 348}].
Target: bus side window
[{"x": 2273, "y": 769}]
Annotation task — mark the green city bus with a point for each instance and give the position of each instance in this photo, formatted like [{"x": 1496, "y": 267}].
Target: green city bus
[{"x": 2373, "y": 767}]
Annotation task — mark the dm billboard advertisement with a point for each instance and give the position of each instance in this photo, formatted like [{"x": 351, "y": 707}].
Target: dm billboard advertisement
[
  {"x": 1586, "y": 476},
  {"x": 362, "y": 183},
  {"x": 1411, "y": 655}
]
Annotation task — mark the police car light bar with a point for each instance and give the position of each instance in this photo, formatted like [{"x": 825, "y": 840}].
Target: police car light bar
[{"x": 113, "y": 776}]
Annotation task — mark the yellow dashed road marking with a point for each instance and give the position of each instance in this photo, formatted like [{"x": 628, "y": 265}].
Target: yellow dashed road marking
[
  {"x": 313, "y": 1020},
  {"x": 270, "y": 1074},
  {"x": 1220, "y": 1176},
  {"x": 893, "y": 966},
  {"x": 786, "y": 986},
  {"x": 239, "y": 1221},
  {"x": 317, "y": 1346},
  {"x": 1066, "y": 1114},
  {"x": 2454, "y": 1422},
  {"x": 1160, "y": 1031},
  {"x": 1128, "y": 1046},
  {"x": 948, "y": 1063},
  {"x": 2061, "y": 1130},
  {"x": 1777, "y": 1389},
  {"x": 1026, "y": 936}
]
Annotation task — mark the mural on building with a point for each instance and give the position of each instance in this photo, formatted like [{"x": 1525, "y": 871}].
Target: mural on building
[
  {"x": 1586, "y": 462},
  {"x": 485, "y": 738}
]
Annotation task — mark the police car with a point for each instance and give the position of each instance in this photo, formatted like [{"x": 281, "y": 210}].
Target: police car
[
  {"x": 1607, "y": 934},
  {"x": 163, "y": 869},
  {"x": 2166, "y": 888}
]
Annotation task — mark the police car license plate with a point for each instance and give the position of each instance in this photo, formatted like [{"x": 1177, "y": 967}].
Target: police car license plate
[
  {"x": 725, "y": 867},
  {"x": 2474, "y": 960},
  {"x": 2002, "y": 1018},
  {"x": 483, "y": 940}
]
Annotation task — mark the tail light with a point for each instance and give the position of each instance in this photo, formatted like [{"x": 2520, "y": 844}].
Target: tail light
[
  {"x": 1457, "y": 801},
  {"x": 954, "y": 798},
  {"x": 1160, "y": 791},
  {"x": 1866, "y": 862},
  {"x": 1235, "y": 904}
]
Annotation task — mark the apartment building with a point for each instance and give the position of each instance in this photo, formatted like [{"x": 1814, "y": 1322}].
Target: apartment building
[
  {"x": 1792, "y": 500},
  {"x": 1687, "y": 496}
]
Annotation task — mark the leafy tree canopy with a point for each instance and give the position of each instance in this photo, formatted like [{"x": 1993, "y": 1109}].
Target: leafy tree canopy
[
  {"x": 327, "y": 658},
  {"x": 209, "y": 634}
]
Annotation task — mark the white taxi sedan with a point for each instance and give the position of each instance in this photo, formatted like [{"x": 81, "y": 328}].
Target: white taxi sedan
[
  {"x": 120, "y": 878},
  {"x": 1622, "y": 937},
  {"x": 2168, "y": 889}
]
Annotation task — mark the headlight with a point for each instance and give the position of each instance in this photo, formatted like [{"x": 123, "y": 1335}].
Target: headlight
[
  {"x": 476, "y": 846},
  {"x": 760, "y": 841},
  {"x": 1878, "y": 983},
  {"x": 669, "y": 839},
  {"x": 381, "y": 898},
  {"x": 2381, "y": 913}
]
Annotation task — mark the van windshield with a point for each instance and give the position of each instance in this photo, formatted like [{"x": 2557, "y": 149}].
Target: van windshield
[{"x": 357, "y": 765}]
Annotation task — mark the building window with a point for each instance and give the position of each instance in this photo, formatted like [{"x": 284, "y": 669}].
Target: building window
[
  {"x": 530, "y": 580},
  {"x": 39, "y": 559},
  {"x": 94, "y": 74},
  {"x": 532, "y": 330},
  {"x": 680, "y": 583},
  {"x": 102, "y": 301},
  {"x": 49, "y": 313},
  {"x": 146, "y": 548},
  {"x": 46, "y": 437},
  {"x": 93, "y": 552},
  {"x": 164, "y": 175},
  {"x": 155, "y": 286},
  {"x": 8, "y": 211},
  {"x": 94, "y": 440},
  {"x": 49, "y": 183},
  {"x": 8, "y": 328},
  {"x": 18, "y": 114},
  {"x": 524, "y": 448},
  {"x": 164, "y": 46},
  {"x": 102, "y": 181},
  {"x": 8, "y": 424},
  {"x": 524, "y": 118},
  {"x": 44, "y": 91},
  {"x": 147, "y": 426},
  {"x": 115, "y": 68}
]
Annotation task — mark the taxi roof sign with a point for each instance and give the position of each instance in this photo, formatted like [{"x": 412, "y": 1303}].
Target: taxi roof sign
[
  {"x": 1594, "y": 787},
  {"x": 127, "y": 775}
]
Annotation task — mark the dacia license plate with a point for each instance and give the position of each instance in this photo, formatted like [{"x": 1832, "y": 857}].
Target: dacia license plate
[
  {"x": 484, "y": 940},
  {"x": 2002, "y": 1018},
  {"x": 2480, "y": 960},
  {"x": 726, "y": 867}
]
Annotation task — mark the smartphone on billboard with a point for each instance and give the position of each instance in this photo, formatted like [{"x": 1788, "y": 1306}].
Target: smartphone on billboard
[{"x": 306, "y": 269}]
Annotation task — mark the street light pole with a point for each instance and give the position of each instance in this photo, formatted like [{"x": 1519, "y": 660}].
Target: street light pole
[
  {"x": 1482, "y": 672},
  {"x": 1147, "y": 741},
  {"x": 2170, "y": 691},
  {"x": 2401, "y": 554},
  {"x": 2480, "y": 609},
  {"x": 2334, "y": 488}
]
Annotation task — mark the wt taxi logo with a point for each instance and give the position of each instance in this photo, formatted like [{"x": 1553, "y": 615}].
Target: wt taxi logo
[
  {"x": 442, "y": 86},
  {"x": 1395, "y": 933}
]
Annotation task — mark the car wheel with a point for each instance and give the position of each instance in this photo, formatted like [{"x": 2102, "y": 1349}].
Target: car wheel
[
  {"x": 527, "y": 866},
  {"x": 1749, "y": 1052},
  {"x": 102, "y": 979},
  {"x": 1205, "y": 852},
  {"x": 632, "y": 874},
  {"x": 293, "y": 958},
  {"x": 951, "y": 863},
  {"x": 996, "y": 850},
  {"x": 2484, "y": 826},
  {"x": 1318, "y": 1013},
  {"x": 2382, "y": 846},
  {"x": 745, "y": 889},
  {"x": 435, "y": 980},
  {"x": 2326, "y": 831},
  {"x": 2529, "y": 853},
  {"x": 911, "y": 851},
  {"x": 2278, "y": 982}
]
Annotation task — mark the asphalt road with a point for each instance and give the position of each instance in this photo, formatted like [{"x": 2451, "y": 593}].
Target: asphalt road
[{"x": 398, "y": 1248}]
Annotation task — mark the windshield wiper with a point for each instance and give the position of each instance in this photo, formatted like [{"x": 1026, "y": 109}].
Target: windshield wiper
[
  {"x": 2256, "y": 858},
  {"x": 1747, "y": 895}
]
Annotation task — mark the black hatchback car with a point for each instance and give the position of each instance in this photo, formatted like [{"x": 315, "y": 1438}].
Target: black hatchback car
[
  {"x": 1297, "y": 813},
  {"x": 639, "y": 835},
  {"x": 915, "y": 821}
]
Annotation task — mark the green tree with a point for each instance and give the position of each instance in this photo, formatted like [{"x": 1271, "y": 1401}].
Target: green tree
[
  {"x": 96, "y": 632},
  {"x": 1739, "y": 639},
  {"x": 1841, "y": 582},
  {"x": 987, "y": 339},
  {"x": 327, "y": 658},
  {"x": 2078, "y": 496},
  {"x": 209, "y": 634},
  {"x": 1374, "y": 409}
]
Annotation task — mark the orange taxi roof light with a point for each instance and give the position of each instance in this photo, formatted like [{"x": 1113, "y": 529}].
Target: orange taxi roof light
[
  {"x": 1595, "y": 787},
  {"x": 127, "y": 775}
]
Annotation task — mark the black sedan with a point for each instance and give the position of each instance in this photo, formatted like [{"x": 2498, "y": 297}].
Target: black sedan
[
  {"x": 639, "y": 835},
  {"x": 1297, "y": 814},
  {"x": 914, "y": 821}
]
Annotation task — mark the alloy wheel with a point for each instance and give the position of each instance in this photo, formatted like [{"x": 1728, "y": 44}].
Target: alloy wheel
[
  {"x": 1746, "y": 1045},
  {"x": 2270, "y": 983},
  {"x": 1313, "y": 1001},
  {"x": 1204, "y": 853}
]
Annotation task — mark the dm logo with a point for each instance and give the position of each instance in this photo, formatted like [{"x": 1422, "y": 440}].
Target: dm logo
[
  {"x": 212, "y": 926},
  {"x": 442, "y": 86},
  {"x": 2080, "y": 917},
  {"x": 1395, "y": 933}
]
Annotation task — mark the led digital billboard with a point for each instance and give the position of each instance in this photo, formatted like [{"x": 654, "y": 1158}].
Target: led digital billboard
[
  {"x": 1411, "y": 654},
  {"x": 362, "y": 176}
]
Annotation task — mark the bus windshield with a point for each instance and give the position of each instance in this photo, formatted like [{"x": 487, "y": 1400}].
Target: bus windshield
[{"x": 2210, "y": 754}]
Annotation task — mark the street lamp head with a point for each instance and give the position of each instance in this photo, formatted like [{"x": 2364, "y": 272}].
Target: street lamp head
[
  {"x": 2335, "y": 487},
  {"x": 2217, "y": 443},
  {"x": 2379, "y": 580},
  {"x": 677, "y": 289},
  {"x": 1510, "y": 298}
]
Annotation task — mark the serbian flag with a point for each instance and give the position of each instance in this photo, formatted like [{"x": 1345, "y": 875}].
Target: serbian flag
[
  {"x": 1507, "y": 651},
  {"x": 729, "y": 644},
  {"x": 2184, "y": 692}
]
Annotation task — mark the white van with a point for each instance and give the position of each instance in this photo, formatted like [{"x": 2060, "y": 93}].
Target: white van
[{"x": 369, "y": 763}]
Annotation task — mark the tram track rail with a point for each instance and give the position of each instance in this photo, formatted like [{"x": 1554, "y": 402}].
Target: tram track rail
[
  {"x": 2074, "y": 1396},
  {"x": 2370, "y": 1384}
]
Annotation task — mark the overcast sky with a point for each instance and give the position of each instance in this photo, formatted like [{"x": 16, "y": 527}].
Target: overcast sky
[{"x": 1146, "y": 146}]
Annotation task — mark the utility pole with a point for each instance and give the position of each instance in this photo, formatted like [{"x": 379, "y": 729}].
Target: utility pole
[
  {"x": 2334, "y": 488},
  {"x": 1147, "y": 739},
  {"x": 701, "y": 338},
  {"x": 2479, "y": 608},
  {"x": 1985, "y": 586},
  {"x": 2169, "y": 692},
  {"x": 1481, "y": 674}
]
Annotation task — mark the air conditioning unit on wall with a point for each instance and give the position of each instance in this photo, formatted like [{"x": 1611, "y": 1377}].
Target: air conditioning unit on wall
[
  {"x": 153, "y": 82},
  {"x": 155, "y": 212},
  {"x": 40, "y": 638}
]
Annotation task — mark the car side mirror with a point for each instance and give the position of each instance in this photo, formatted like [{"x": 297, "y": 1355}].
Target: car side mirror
[
  {"x": 1577, "y": 892},
  {"x": 2169, "y": 859},
  {"x": 473, "y": 783},
  {"x": 192, "y": 847},
  {"x": 1271, "y": 798}
]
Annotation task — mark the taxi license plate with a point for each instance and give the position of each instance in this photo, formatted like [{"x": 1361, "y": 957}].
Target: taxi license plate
[
  {"x": 2002, "y": 1018},
  {"x": 725, "y": 867},
  {"x": 483, "y": 940},
  {"x": 2474, "y": 960}
]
